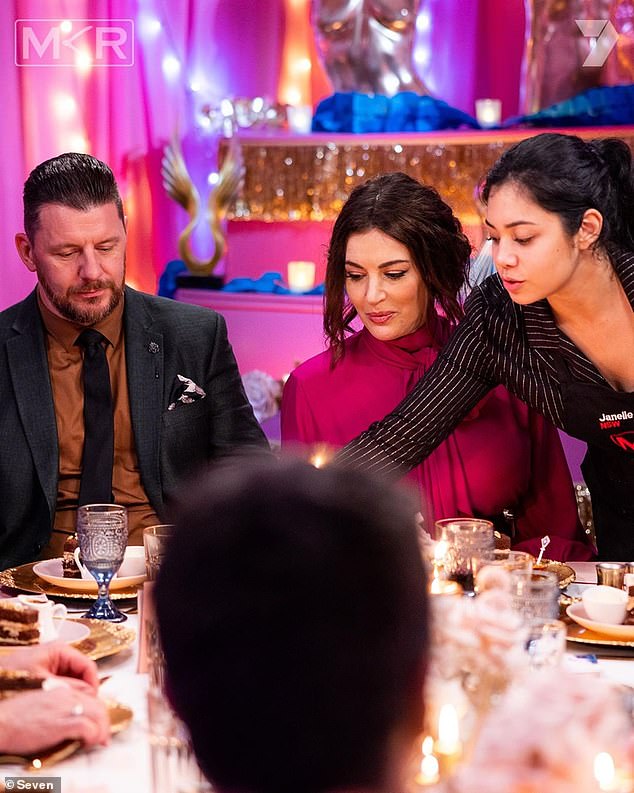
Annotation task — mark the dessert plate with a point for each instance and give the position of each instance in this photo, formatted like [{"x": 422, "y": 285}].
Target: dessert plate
[
  {"x": 105, "y": 639},
  {"x": 50, "y": 570},
  {"x": 69, "y": 631},
  {"x": 603, "y": 630}
]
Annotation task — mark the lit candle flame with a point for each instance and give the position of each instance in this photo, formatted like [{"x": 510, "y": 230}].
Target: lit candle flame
[
  {"x": 428, "y": 773},
  {"x": 440, "y": 550},
  {"x": 604, "y": 771},
  {"x": 448, "y": 730},
  {"x": 321, "y": 455}
]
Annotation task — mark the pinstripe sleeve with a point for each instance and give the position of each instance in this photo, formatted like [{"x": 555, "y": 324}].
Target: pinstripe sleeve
[{"x": 460, "y": 377}]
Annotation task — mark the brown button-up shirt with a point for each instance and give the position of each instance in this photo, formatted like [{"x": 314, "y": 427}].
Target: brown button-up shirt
[{"x": 65, "y": 368}]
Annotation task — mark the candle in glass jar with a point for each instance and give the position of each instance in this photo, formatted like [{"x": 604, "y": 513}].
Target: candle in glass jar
[
  {"x": 488, "y": 112},
  {"x": 301, "y": 276}
]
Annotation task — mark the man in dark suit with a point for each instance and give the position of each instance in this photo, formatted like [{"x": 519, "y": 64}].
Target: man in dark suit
[{"x": 176, "y": 399}]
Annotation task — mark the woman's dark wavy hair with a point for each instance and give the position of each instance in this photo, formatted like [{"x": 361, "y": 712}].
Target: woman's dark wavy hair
[
  {"x": 567, "y": 175},
  {"x": 416, "y": 216}
]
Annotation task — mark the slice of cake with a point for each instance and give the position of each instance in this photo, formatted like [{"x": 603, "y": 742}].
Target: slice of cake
[
  {"x": 19, "y": 623},
  {"x": 69, "y": 565},
  {"x": 14, "y": 681}
]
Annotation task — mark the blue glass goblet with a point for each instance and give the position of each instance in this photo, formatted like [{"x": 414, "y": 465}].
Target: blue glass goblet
[{"x": 102, "y": 532}]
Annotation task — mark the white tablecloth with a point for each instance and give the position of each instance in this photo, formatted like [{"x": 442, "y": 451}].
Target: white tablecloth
[{"x": 124, "y": 765}]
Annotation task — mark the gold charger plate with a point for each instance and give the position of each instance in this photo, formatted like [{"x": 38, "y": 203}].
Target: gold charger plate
[
  {"x": 105, "y": 638},
  {"x": 576, "y": 633},
  {"x": 120, "y": 717},
  {"x": 564, "y": 572},
  {"x": 24, "y": 579}
]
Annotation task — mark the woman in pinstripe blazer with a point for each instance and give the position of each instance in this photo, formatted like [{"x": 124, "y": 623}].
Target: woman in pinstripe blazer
[{"x": 555, "y": 325}]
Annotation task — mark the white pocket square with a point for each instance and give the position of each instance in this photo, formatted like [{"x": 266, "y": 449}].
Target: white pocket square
[{"x": 185, "y": 391}]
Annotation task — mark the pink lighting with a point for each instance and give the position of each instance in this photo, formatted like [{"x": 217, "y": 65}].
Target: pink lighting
[{"x": 185, "y": 51}]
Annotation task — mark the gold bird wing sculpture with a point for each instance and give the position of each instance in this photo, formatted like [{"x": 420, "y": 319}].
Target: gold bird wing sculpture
[
  {"x": 225, "y": 192},
  {"x": 179, "y": 186}
]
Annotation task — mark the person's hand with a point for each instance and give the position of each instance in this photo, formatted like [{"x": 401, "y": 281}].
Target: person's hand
[
  {"x": 54, "y": 658},
  {"x": 36, "y": 720}
]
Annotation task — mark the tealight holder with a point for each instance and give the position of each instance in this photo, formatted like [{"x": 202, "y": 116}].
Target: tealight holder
[
  {"x": 488, "y": 112},
  {"x": 301, "y": 276}
]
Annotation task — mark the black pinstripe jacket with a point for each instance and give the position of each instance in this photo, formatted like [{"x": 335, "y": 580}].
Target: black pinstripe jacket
[{"x": 498, "y": 341}]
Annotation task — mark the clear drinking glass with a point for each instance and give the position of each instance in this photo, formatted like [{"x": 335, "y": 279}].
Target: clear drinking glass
[
  {"x": 155, "y": 540},
  {"x": 507, "y": 559},
  {"x": 102, "y": 532},
  {"x": 535, "y": 595},
  {"x": 174, "y": 766},
  {"x": 469, "y": 542},
  {"x": 546, "y": 643}
]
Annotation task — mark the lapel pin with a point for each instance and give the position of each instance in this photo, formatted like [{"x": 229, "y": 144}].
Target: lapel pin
[{"x": 153, "y": 347}]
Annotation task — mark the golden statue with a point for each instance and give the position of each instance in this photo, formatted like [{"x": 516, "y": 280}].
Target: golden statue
[{"x": 179, "y": 186}]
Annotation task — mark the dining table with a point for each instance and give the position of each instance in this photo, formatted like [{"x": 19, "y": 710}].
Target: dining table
[{"x": 123, "y": 766}]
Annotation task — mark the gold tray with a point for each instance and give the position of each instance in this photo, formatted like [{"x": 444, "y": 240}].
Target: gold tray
[
  {"x": 576, "y": 633},
  {"x": 564, "y": 572},
  {"x": 26, "y": 580},
  {"x": 105, "y": 638}
]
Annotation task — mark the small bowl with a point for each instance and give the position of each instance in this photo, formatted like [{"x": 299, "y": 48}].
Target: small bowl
[
  {"x": 605, "y": 604},
  {"x": 133, "y": 562}
]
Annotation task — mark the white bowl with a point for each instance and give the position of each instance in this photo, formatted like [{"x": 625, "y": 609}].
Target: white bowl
[
  {"x": 133, "y": 562},
  {"x": 605, "y": 604}
]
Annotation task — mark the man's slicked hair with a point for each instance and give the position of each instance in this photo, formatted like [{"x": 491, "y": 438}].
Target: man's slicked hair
[{"x": 74, "y": 180}]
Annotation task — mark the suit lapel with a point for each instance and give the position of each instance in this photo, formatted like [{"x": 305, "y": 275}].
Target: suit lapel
[
  {"x": 144, "y": 364},
  {"x": 28, "y": 369}
]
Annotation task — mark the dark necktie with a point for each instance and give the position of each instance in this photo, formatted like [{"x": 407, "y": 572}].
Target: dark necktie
[{"x": 96, "y": 466}]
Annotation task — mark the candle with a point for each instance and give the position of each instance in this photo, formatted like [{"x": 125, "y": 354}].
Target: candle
[
  {"x": 300, "y": 118},
  {"x": 440, "y": 551},
  {"x": 301, "y": 276},
  {"x": 428, "y": 773},
  {"x": 440, "y": 587},
  {"x": 448, "y": 742},
  {"x": 448, "y": 745},
  {"x": 608, "y": 777},
  {"x": 488, "y": 112},
  {"x": 322, "y": 455}
]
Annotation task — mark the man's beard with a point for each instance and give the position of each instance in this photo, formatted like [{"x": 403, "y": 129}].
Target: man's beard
[{"x": 89, "y": 312}]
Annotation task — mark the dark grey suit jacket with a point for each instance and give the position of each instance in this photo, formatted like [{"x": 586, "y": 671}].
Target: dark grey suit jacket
[{"x": 163, "y": 339}]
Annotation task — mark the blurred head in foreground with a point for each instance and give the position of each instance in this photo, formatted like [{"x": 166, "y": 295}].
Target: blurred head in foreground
[{"x": 293, "y": 614}]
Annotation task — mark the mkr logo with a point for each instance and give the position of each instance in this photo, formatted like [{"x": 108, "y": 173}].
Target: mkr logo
[{"x": 60, "y": 42}]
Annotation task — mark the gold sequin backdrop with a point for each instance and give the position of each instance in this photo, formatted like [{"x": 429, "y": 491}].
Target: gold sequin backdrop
[{"x": 310, "y": 178}]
